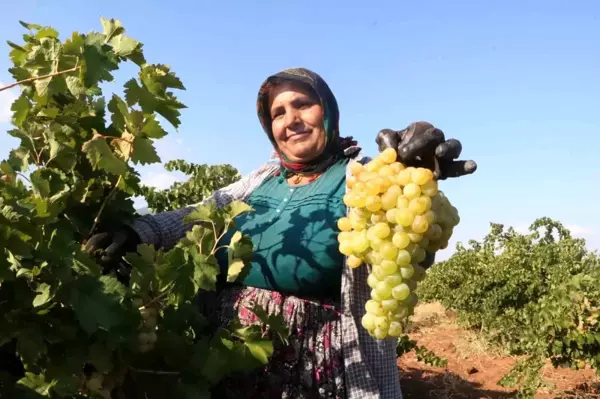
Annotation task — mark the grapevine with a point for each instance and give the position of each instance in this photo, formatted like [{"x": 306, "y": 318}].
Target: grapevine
[
  {"x": 397, "y": 216},
  {"x": 533, "y": 294},
  {"x": 69, "y": 329}
]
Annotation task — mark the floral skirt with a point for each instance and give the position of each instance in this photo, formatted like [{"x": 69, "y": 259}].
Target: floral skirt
[{"x": 310, "y": 366}]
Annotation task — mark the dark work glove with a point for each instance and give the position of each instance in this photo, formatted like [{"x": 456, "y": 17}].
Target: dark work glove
[
  {"x": 110, "y": 247},
  {"x": 423, "y": 145}
]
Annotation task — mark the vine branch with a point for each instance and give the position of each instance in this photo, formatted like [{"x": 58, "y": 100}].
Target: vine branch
[{"x": 29, "y": 80}]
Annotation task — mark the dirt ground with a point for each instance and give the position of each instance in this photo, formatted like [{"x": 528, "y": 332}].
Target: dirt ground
[{"x": 474, "y": 368}]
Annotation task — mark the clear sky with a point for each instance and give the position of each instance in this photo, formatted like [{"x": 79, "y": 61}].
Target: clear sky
[{"x": 516, "y": 81}]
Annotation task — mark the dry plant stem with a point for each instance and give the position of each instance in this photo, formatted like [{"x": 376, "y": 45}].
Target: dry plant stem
[{"x": 29, "y": 80}]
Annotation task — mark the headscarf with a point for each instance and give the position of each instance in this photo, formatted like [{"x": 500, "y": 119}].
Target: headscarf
[{"x": 335, "y": 149}]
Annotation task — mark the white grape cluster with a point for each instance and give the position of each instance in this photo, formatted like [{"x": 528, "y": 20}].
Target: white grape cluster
[
  {"x": 396, "y": 215},
  {"x": 147, "y": 336}
]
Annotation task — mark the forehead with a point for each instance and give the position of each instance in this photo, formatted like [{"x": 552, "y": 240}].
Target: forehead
[{"x": 284, "y": 92}]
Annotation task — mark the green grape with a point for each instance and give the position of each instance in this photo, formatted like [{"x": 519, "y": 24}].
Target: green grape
[
  {"x": 360, "y": 243},
  {"x": 407, "y": 271},
  {"x": 400, "y": 313},
  {"x": 376, "y": 297},
  {"x": 393, "y": 279},
  {"x": 388, "y": 201},
  {"x": 401, "y": 292},
  {"x": 405, "y": 217},
  {"x": 388, "y": 250},
  {"x": 395, "y": 329},
  {"x": 412, "y": 284},
  {"x": 424, "y": 243},
  {"x": 376, "y": 243},
  {"x": 403, "y": 258},
  {"x": 390, "y": 216},
  {"x": 383, "y": 290},
  {"x": 389, "y": 305},
  {"x": 400, "y": 239},
  {"x": 419, "y": 255},
  {"x": 420, "y": 205},
  {"x": 388, "y": 267},
  {"x": 421, "y": 176},
  {"x": 381, "y": 230},
  {"x": 373, "y": 203},
  {"x": 377, "y": 217},
  {"x": 379, "y": 333},
  {"x": 372, "y": 280},
  {"x": 402, "y": 202},
  {"x": 404, "y": 177},
  {"x": 373, "y": 258},
  {"x": 382, "y": 322},
  {"x": 373, "y": 307},
  {"x": 378, "y": 272},
  {"x": 434, "y": 232},
  {"x": 345, "y": 248},
  {"x": 419, "y": 224},
  {"x": 368, "y": 321},
  {"x": 430, "y": 188},
  {"x": 344, "y": 224},
  {"x": 412, "y": 190},
  {"x": 420, "y": 273}
]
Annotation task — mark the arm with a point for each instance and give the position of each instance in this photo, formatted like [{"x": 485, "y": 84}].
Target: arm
[{"x": 165, "y": 229}]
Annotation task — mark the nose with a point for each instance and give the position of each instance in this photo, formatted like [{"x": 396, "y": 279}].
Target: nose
[{"x": 292, "y": 117}]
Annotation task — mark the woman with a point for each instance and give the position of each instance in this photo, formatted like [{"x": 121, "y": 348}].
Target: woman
[{"x": 297, "y": 269}]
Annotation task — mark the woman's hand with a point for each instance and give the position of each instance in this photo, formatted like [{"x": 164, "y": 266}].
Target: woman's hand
[
  {"x": 110, "y": 247},
  {"x": 423, "y": 145}
]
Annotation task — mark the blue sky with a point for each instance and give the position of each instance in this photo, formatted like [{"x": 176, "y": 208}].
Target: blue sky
[{"x": 516, "y": 81}]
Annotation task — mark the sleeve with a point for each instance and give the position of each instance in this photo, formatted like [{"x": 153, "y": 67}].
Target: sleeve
[{"x": 165, "y": 229}]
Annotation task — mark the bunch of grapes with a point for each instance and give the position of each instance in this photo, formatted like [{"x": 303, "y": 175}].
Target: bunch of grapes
[
  {"x": 147, "y": 336},
  {"x": 396, "y": 216}
]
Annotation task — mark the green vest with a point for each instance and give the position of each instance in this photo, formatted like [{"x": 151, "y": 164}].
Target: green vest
[{"x": 294, "y": 233}]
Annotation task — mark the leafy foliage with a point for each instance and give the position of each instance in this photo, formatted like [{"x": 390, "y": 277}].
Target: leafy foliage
[
  {"x": 203, "y": 181},
  {"x": 533, "y": 294},
  {"x": 66, "y": 329}
]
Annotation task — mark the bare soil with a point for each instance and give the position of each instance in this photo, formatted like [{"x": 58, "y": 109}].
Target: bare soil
[{"x": 474, "y": 367}]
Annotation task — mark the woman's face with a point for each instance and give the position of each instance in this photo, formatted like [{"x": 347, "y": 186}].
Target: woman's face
[{"x": 297, "y": 122}]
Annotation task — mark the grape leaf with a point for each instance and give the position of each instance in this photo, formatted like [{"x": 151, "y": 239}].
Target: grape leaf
[
  {"x": 74, "y": 45},
  {"x": 234, "y": 270},
  {"x": 144, "y": 152},
  {"x": 101, "y": 157},
  {"x": 136, "y": 94},
  {"x": 35, "y": 382},
  {"x": 75, "y": 85},
  {"x": 46, "y": 32},
  {"x": 261, "y": 350},
  {"x": 119, "y": 110},
  {"x": 96, "y": 65},
  {"x": 96, "y": 302},
  {"x": 43, "y": 295},
  {"x": 151, "y": 128},
  {"x": 30, "y": 26},
  {"x": 123, "y": 45},
  {"x": 236, "y": 208},
  {"x": 41, "y": 86},
  {"x": 20, "y": 108},
  {"x": 111, "y": 28}
]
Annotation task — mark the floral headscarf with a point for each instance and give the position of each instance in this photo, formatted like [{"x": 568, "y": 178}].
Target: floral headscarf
[{"x": 334, "y": 147}]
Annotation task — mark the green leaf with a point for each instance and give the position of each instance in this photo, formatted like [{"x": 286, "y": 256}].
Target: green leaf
[
  {"x": 46, "y": 32},
  {"x": 41, "y": 86},
  {"x": 124, "y": 46},
  {"x": 96, "y": 302},
  {"x": 75, "y": 85},
  {"x": 236, "y": 208},
  {"x": 20, "y": 107},
  {"x": 101, "y": 157},
  {"x": 192, "y": 391},
  {"x": 119, "y": 110},
  {"x": 96, "y": 65},
  {"x": 261, "y": 350},
  {"x": 37, "y": 383},
  {"x": 144, "y": 152},
  {"x": 234, "y": 270},
  {"x": 74, "y": 45},
  {"x": 43, "y": 295},
  {"x": 152, "y": 129},
  {"x": 30, "y": 26},
  {"x": 134, "y": 93},
  {"x": 111, "y": 28}
]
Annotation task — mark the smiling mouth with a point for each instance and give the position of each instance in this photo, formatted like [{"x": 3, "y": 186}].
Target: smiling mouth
[{"x": 299, "y": 134}]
